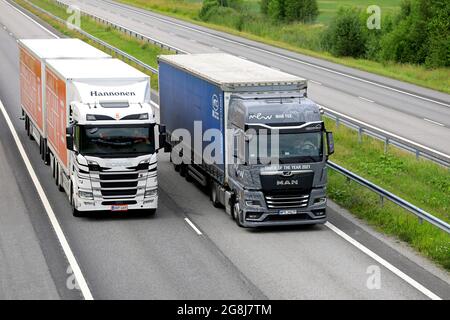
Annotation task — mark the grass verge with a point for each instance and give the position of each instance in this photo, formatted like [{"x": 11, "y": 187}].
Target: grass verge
[
  {"x": 423, "y": 183},
  {"x": 141, "y": 50},
  {"x": 298, "y": 38}
]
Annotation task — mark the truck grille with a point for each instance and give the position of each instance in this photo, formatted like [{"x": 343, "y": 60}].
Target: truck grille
[
  {"x": 118, "y": 185},
  {"x": 286, "y": 201}
]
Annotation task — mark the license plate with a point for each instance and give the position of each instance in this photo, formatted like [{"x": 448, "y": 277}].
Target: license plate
[
  {"x": 121, "y": 207},
  {"x": 288, "y": 211}
]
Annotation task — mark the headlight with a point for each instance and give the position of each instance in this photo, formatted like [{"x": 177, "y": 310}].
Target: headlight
[
  {"x": 320, "y": 200},
  {"x": 86, "y": 195},
  {"x": 253, "y": 203},
  {"x": 150, "y": 193}
]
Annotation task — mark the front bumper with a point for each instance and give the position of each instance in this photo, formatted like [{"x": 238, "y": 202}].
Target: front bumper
[
  {"x": 87, "y": 205},
  {"x": 311, "y": 212}
]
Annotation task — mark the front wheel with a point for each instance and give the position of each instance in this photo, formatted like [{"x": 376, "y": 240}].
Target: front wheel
[
  {"x": 75, "y": 212},
  {"x": 237, "y": 214}
]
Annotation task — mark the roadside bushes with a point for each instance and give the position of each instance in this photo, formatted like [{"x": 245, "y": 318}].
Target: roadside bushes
[
  {"x": 418, "y": 34},
  {"x": 290, "y": 10},
  {"x": 345, "y": 36}
]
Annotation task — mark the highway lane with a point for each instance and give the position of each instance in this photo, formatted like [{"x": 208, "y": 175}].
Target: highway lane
[
  {"x": 162, "y": 257},
  {"x": 399, "y": 113}
]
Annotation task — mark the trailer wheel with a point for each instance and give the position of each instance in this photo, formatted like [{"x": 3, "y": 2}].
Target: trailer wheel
[
  {"x": 56, "y": 173},
  {"x": 45, "y": 152},
  {"x": 213, "y": 195}
]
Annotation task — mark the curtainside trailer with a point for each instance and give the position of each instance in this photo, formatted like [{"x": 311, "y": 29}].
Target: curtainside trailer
[{"x": 249, "y": 134}]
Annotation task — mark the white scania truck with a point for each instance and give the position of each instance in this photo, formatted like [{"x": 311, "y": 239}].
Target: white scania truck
[{"x": 99, "y": 130}]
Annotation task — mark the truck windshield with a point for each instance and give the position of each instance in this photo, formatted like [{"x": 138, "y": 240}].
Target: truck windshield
[
  {"x": 292, "y": 148},
  {"x": 116, "y": 140}
]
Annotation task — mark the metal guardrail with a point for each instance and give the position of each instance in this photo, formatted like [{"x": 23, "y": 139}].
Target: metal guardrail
[
  {"x": 388, "y": 138},
  {"x": 125, "y": 56},
  {"x": 362, "y": 128},
  {"x": 384, "y": 194},
  {"x": 131, "y": 33}
]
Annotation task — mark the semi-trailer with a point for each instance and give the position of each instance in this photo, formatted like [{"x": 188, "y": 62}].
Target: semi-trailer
[
  {"x": 33, "y": 54},
  {"x": 100, "y": 131},
  {"x": 249, "y": 134}
]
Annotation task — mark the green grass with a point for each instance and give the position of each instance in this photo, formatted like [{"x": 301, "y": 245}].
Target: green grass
[
  {"x": 328, "y": 8},
  {"x": 141, "y": 50},
  {"x": 302, "y": 38},
  {"x": 421, "y": 182}
]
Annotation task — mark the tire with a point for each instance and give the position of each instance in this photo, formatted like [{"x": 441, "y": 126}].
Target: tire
[
  {"x": 56, "y": 170},
  {"x": 188, "y": 176},
  {"x": 75, "y": 212},
  {"x": 237, "y": 214},
  {"x": 46, "y": 153},
  {"x": 213, "y": 195},
  {"x": 149, "y": 212},
  {"x": 183, "y": 170}
]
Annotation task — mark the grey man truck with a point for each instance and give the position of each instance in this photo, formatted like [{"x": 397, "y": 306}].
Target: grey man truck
[{"x": 249, "y": 134}]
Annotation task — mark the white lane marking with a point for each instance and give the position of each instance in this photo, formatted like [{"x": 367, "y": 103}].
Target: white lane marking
[
  {"x": 387, "y": 132},
  {"x": 434, "y": 122},
  {"x": 29, "y": 18},
  {"x": 279, "y": 55},
  {"x": 316, "y": 82},
  {"x": 383, "y": 262},
  {"x": 189, "y": 222},
  {"x": 154, "y": 104},
  {"x": 275, "y": 68},
  {"x": 242, "y": 57},
  {"x": 365, "y": 99},
  {"x": 81, "y": 281}
]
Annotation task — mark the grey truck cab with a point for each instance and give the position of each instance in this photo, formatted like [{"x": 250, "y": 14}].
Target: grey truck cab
[{"x": 282, "y": 184}]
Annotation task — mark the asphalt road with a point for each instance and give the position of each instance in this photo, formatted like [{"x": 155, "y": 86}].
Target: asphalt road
[
  {"x": 134, "y": 257},
  {"x": 424, "y": 119}
]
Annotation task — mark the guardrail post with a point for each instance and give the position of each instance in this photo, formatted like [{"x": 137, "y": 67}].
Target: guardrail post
[
  {"x": 417, "y": 154},
  {"x": 360, "y": 134},
  {"x": 337, "y": 121},
  {"x": 381, "y": 201},
  {"x": 386, "y": 145}
]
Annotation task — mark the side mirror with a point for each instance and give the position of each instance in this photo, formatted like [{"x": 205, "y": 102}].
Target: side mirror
[
  {"x": 69, "y": 138},
  {"x": 162, "y": 137},
  {"x": 330, "y": 143}
]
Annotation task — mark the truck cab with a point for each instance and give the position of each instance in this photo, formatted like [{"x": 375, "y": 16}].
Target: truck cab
[
  {"x": 278, "y": 174},
  {"x": 113, "y": 156}
]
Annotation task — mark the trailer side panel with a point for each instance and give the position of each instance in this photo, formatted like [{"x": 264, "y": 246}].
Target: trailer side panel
[
  {"x": 31, "y": 87},
  {"x": 56, "y": 115}
]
